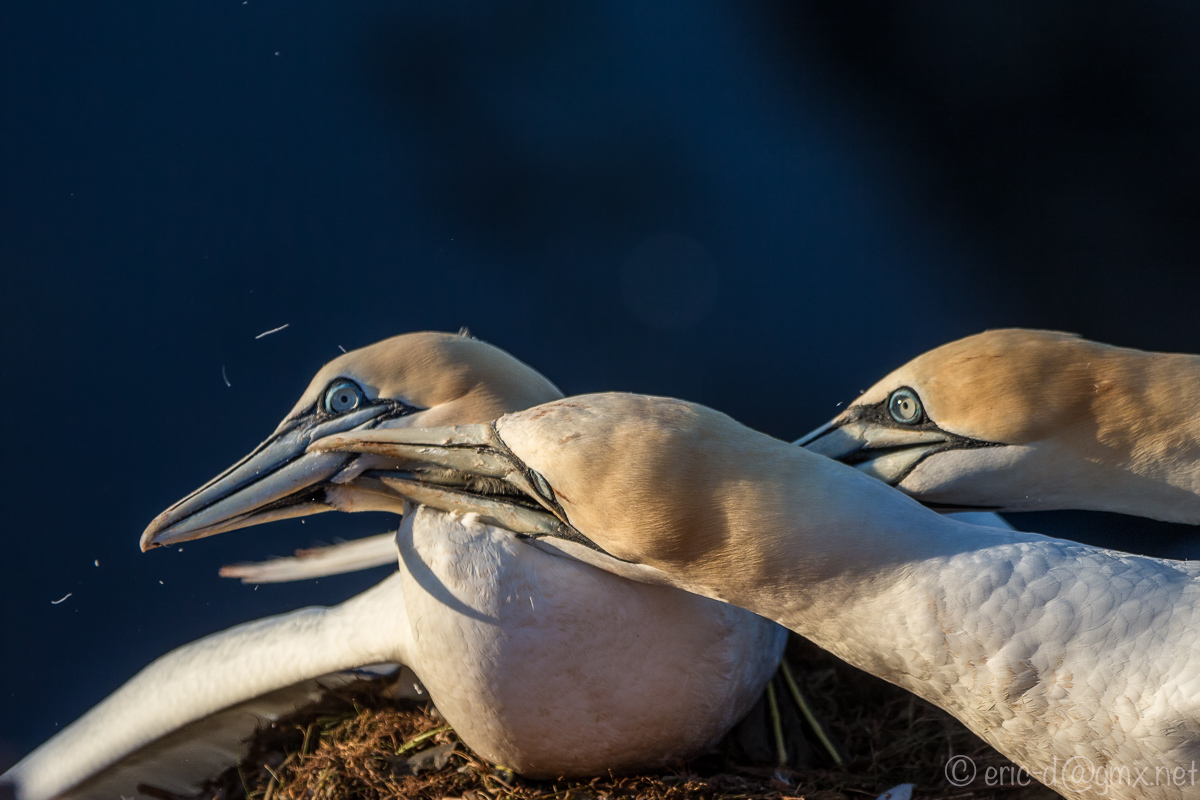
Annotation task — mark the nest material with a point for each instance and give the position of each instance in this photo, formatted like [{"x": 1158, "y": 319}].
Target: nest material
[{"x": 367, "y": 748}]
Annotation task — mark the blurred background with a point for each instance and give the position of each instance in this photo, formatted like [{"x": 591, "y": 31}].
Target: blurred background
[{"x": 763, "y": 207}]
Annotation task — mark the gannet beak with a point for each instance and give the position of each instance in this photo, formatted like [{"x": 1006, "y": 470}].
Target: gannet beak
[
  {"x": 463, "y": 469},
  {"x": 883, "y": 451},
  {"x": 277, "y": 480}
]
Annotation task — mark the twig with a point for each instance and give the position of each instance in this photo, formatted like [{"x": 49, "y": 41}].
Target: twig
[
  {"x": 776, "y": 723},
  {"x": 416, "y": 740},
  {"x": 307, "y": 737},
  {"x": 273, "y": 330},
  {"x": 797, "y": 696}
]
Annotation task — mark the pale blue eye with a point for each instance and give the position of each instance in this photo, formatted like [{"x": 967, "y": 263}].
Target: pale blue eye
[
  {"x": 905, "y": 406},
  {"x": 343, "y": 396}
]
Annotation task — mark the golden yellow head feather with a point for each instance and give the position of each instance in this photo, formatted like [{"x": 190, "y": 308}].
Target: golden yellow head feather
[
  {"x": 414, "y": 379},
  {"x": 1024, "y": 419},
  {"x": 461, "y": 379},
  {"x": 1018, "y": 386}
]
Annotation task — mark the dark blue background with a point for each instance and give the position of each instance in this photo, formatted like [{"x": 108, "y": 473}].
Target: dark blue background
[{"x": 758, "y": 206}]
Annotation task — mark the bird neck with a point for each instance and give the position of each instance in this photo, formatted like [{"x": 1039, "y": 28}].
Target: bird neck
[
  {"x": 885, "y": 595},
  {"x": 997, "y": 627},
  {"x": 841, "y": 548},
  {"x": 804, "y": 540},
  {"x": 1144, "y": 434}
]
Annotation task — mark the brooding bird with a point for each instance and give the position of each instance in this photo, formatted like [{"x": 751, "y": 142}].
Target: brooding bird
[
  {"x": 1079, "y": 664},
  {"x": 541, "y": 663},
  {"x": 1022, "y": 420}
]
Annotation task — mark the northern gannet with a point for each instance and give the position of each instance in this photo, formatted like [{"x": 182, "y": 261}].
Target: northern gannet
[
  {"x": 1023, "y": 420},
  {"x": 542, "y": 664},
  {"x": 1081, "y": 665}
]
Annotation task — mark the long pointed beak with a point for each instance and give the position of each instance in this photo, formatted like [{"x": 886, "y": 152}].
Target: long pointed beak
[
  {"x": 277, "y": 480},
  {"x": 465, "y": 469},
  {"x": 881, "y": 451}
]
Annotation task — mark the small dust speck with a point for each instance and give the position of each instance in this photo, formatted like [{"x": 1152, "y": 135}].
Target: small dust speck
[{"x": 96, "y": 562}]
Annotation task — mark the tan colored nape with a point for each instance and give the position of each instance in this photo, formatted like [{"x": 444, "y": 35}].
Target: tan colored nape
[
  {"x": 658, "y": 481},
  {"x": 432, "y": 370},
  {"x": 1016, "y": 386}
]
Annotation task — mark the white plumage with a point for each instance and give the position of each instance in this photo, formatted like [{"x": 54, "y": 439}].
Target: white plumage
[
  {"x": 1062, "y": 656},
  {"x": 541, "y": 663}
]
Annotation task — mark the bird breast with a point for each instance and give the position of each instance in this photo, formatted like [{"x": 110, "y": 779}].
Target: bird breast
[{"x": 547, "y": 665}]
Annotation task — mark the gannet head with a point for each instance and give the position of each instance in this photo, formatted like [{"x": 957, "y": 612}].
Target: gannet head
[
  {"x": 653, "y": 489},
  {"x": 582, "y": 476},
  {"x": 1021, "y": 420},
  {"x": 415, "y": 379}
]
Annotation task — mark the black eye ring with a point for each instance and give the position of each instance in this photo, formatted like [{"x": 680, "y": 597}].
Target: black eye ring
[
  {"x": 905, "y": 407},
  {"x": 342, "y": 396}
]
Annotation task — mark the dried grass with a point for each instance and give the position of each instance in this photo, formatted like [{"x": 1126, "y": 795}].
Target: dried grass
[{"x": 367, "y": 748}]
